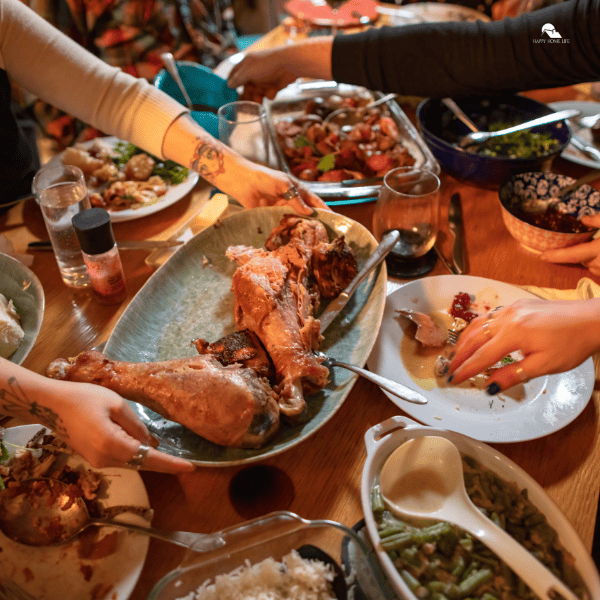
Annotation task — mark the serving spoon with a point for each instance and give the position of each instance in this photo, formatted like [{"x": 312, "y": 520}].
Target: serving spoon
[
  {"x": 353, "y": 113},
  {"x": 169, "y": 62},
  {"x": 424, "y": 479},
  {"x": 53, "y": 517},
  {"x": 480, "y": 137}
]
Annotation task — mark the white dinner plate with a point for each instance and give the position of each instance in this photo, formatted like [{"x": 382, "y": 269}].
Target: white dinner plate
[
  {"x": 527, "y": 411},
  {"x": 174, "y": 193},
  {"x": 56, "y": 573},
  {"x": 570, "y": 152},
  {"x": 19, "y": 284},
  {"x": 190, "y": 297}
]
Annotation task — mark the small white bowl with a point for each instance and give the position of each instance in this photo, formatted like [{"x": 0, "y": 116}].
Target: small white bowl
[{"x": 382, "y": 439}]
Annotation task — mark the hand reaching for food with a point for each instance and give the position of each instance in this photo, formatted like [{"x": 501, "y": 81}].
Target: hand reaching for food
[
  {"x": 282, "y": 65},
  {"x": 587, "y": 254},
  {"x": 275, "y": 188},
  {"x": 95, "y": 422},
  {"x": 553, "y": 336}
]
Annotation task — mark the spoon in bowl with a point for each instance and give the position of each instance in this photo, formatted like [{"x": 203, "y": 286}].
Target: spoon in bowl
[
  {"x": 480, "y": 137},
  {"x": 423, "y": 479},
  {"x": 50, "y": 516},
  {"x": 171, "y": 66}
]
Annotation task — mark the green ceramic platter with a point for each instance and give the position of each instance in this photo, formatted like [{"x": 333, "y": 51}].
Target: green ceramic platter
[{"x": 190, "y": 297}]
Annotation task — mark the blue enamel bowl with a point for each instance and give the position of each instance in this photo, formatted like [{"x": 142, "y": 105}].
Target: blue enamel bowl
[
  {"x": 441, "y": 130},
  {"x": 203, "y": 86}
]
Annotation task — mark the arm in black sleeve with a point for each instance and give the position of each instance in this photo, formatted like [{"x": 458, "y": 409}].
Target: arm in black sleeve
[{"x": 459, "y": 59}]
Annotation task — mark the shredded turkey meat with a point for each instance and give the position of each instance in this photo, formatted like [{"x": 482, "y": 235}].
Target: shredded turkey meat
[{"x": 276, "y": 293}]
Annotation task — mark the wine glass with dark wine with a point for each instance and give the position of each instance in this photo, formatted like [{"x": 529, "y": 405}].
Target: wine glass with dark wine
[{"x": 409, "y": 201}]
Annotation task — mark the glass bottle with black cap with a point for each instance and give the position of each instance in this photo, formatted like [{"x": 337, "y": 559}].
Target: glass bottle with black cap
[{"x": 101, "y": 255}]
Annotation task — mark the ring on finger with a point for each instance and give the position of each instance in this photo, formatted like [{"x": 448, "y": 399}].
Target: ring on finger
[
  {"x": 137, "y": 460},
  {"x": 486, "y": 329},
  {"x": 291, "y": 193},
  {"x": 521, "y": 374}
]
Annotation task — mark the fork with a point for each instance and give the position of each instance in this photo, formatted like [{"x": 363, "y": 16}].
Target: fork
[
  {"x": 393, "y": 387},
  {"x": 452, "y": 336}
]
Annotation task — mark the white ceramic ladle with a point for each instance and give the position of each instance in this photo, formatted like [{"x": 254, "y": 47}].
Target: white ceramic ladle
[{"x": 423, "y": 479}]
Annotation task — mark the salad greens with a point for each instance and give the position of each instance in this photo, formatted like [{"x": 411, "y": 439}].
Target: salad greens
[
  {"x": 165, "y": 169},
  {"x": 520, "y": 144}
]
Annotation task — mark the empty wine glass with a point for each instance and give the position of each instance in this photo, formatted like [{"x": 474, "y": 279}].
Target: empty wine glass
[
  {"x": 409, "y": 201},
  {"x": 243, "y": 127}
]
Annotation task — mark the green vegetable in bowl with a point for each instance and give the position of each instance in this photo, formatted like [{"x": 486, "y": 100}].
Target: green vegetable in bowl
[
  {"x": 519, "y": 144},
  {"x": 166, "y": 169},
  {"x": 440, "y": 561}
]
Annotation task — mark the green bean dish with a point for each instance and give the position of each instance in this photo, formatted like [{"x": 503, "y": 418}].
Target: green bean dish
[{"x": 440, "y": 561}]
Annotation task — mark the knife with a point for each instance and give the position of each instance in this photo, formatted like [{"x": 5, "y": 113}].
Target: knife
[
  {"x": 333, "y": 309},
  {"x": 455, "y": 224},
  {"x": 584, "y": 147},
  {"x": 123, "y": 245}
]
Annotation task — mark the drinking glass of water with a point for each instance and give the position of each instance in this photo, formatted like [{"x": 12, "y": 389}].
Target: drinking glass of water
[
  {"x": 61, "y": 193},
  {"x": 243, "y": 127},
  {"x": 409, "y": 201}
]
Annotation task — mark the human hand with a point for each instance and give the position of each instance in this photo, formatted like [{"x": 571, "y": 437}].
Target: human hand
[
  {"x": 587, "y": 254},
  {"x": 553, "y": 336},
  {"x": 99, "y": 425},
  {"x": 267, "y": 187},
  {"x": 263, "y": 67}
]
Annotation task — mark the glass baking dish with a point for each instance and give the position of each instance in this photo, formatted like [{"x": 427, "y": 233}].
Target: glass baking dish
[
  {"x": 290, "y": 103},
  {"x": 275, "y": 535}
]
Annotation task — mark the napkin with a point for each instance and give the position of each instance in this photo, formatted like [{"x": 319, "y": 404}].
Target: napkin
[
  {"x": 204, "y": 213},
  {"x": 7, "y": 247},
  {"x": 585, "y": 290}
]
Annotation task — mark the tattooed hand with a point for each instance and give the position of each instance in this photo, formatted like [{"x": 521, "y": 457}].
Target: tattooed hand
[{"x": 94, "y": 421}]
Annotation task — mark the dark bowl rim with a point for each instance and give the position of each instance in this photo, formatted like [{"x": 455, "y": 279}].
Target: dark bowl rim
[{"x": 427, "y": 132}]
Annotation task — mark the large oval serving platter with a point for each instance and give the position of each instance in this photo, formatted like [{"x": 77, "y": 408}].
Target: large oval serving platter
[{"x": 190, "y": 297}]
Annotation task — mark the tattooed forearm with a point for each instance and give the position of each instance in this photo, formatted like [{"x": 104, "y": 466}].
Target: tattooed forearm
[
  {"x": 14, "y": 402},
  {"x": 207, "y": 161}
]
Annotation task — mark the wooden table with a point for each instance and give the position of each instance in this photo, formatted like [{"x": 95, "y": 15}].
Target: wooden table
[{"x": 319, "y": 478}]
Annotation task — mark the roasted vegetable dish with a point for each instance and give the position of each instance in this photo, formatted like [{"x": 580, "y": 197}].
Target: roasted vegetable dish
[{"x": 316, "y": 150}]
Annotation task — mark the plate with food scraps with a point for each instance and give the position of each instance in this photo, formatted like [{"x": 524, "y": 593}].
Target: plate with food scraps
[
  {"x": 19, "y": 285},
  {"x": 524, "y": 412},
  {"x": 570, "y": 152},
  {"x": 106, "y": 568},
  {"x": 119, "y": 206},
  {"x": 190, "y": 297}
]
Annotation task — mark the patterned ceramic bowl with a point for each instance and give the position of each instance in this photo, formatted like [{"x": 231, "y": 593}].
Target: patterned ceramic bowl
[{"x": 524, "y": 190}]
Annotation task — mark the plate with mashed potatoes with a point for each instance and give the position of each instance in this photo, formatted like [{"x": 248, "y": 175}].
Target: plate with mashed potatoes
[{"x": 21, "y": 309}]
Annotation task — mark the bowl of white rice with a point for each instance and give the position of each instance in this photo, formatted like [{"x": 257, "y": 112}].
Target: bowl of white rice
[
  {"x": 280, "y": 555},
  {"x": 21, "y": 309}
]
